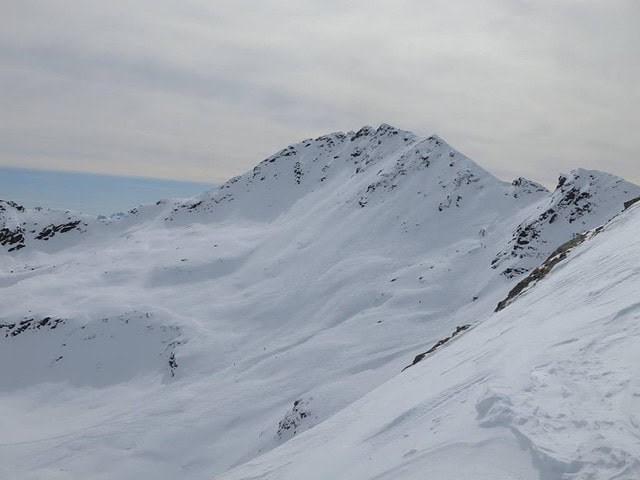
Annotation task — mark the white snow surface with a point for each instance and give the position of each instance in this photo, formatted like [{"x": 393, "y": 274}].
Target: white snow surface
[
  {"x": 548, "y": 388},
  {"x": 259, "y": 329}
]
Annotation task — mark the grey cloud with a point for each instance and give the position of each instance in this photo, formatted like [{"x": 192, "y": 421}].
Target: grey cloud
[{"x": 196, "y": 88}]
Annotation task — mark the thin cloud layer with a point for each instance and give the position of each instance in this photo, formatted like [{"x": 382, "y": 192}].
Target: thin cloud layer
[{"x": 201, "y": 90}]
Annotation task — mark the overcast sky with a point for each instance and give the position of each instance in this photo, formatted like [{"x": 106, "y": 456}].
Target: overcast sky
[{"x": 204, "y": 89}]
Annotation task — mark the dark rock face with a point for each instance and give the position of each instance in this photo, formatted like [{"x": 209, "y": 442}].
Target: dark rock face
[
  {"x": 51, "y": 230},
  {"x": 576, "y": 202},
  {"x": 521, "y": 242},
  {"x": 19, "y": 227},
  {"x": 543, "y": 270},
  {"x": 581, "y": 201},
  {"x": 8, "y": 203},
  {"x": 513, "y": 272},
  {"x": 522, "y": 186},
  {"x": 420, "y": 357},
  {"x": 14, "y": 329},
  {"x": 14, "y": 239},
  {"x": 173, "y": 364},
  {"x": 294, "y": 419},
  {"x": 297, "y": 172},
  {"x": 631, "y": 202}
]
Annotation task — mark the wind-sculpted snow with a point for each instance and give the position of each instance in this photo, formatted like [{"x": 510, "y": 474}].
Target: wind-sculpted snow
[
  {"x": 174, "y": 340},
  {"x": 547, "y": 389}
]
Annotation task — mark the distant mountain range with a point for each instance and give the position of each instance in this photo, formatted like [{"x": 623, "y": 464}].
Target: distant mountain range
[{"x": 94, "y": 194}]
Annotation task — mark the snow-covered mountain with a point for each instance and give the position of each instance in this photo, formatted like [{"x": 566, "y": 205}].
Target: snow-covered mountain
[
  {"x": 191, "y": 337},
  {"x": 546, "y": 389}
]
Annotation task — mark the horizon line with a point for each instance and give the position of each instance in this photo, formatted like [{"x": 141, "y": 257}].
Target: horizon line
[{"x": 103, "y": 174}]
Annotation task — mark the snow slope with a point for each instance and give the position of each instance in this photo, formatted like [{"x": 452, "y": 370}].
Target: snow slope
[
  {"x": 548, "y": 388},
  {"x": 187, "y": 338}
]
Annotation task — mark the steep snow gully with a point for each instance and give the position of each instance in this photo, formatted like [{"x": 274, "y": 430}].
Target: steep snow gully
[{"x": 260, "y": 328}]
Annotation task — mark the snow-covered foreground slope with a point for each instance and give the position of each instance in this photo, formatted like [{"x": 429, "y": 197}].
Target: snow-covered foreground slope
[
  {"x": 190, "y": 337},
  {"x": 548, "y": 388}
]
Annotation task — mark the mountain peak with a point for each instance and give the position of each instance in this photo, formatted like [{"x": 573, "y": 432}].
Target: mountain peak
[
  {"x": 367, "y": 167},
  {"x": 583, "y": 199},
  {"x": 523, "y": 186},
  {"x": 583, "y": 177}
]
